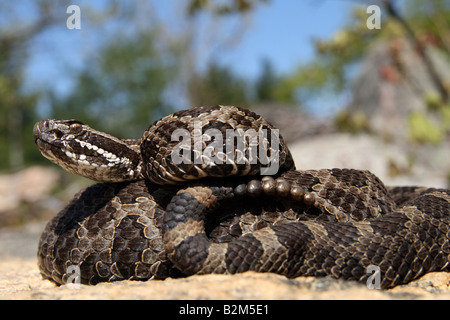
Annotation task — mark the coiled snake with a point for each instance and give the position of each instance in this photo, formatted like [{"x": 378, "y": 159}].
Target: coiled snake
[{"x": 212, "y": 213}]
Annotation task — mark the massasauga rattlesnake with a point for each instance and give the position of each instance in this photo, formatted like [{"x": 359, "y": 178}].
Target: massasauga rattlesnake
[{"x": 152, "y": 219}]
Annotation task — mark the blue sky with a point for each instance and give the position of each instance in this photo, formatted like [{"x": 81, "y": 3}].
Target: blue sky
[{"x": 281, "y": 31}]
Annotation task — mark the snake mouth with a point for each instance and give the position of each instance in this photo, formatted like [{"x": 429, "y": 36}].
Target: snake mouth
[
  {"x": 50, "y": 151},
  {"x": 43, "y": 139},
  {"x": 43, "y": 133},
  {"x": 43, "y": 145}
]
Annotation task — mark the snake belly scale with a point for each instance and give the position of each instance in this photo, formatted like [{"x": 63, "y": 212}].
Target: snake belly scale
[{"x": 152, "y": 219}]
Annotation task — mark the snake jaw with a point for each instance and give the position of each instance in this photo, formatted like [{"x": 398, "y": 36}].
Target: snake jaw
[{"x": 84, "y": 151}]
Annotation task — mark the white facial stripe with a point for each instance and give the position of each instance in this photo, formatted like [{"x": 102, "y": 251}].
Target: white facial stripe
[
  {"x": 83, "y": 162},
  {"x": 71, "y": 155},
  {"x": 110, "y": 157}
]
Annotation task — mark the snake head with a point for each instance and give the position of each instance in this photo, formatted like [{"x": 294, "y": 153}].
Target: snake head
[
  {"x": 52, "y": 130},
  {"x": 79, "y": 149},
  {"x": 55, "y": 138}
]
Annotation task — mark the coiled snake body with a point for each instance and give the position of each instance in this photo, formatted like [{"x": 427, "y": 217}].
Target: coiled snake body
[{"x": 152, "y": 219}]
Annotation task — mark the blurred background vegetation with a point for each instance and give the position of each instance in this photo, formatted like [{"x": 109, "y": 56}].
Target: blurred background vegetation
[{"x": 138, "y": 69}]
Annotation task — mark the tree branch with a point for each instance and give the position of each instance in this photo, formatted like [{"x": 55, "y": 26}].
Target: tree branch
[{"x": 420, "y": 48}]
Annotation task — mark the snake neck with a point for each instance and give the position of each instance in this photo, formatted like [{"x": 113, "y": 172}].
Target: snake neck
[{"x": 84, "y": 151}]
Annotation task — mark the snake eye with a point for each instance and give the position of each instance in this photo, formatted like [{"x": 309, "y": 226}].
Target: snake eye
[{"x": 75, "y": 126}]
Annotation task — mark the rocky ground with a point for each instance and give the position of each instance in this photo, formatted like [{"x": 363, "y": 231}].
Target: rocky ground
[{"x": 20, "y": 279}]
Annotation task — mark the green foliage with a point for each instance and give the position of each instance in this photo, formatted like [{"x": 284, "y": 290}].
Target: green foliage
[
  {"x": 222, "y": 7},
  {"x": 16, "y": 123},
  {"x": 328, "y": 72},
  {"x": 432, "y": 20},
  {"x": 423, "y": 129},
  {"x": 433, "y": 101},
  {"x": 431, "y": 126},
  {"x": 125, "y": 86},
  {"x": 16, "y": 106},
  {"x": 218, "y": 85},
  {"x": 353, "y": 122},
  {"x": 122, "y": 89},
  {"x": 308, "y": 80},
  {"x": 266, "y": 84}
]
